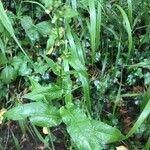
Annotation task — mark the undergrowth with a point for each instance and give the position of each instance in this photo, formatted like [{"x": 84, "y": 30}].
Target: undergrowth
[{"x": 80, "y": 67}]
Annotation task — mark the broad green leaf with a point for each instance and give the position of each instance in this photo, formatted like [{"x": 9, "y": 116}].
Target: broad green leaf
[
  {"x": 43, "y": 120},
  {"x": 48, "y": 93},
  {"x": 8, "y": 74},
  {"x": 36, "y": 112},
  {"x": 26, "y": 110},
  {"x": 87, "y": 134},
  {"x": 44, "y": 28}
]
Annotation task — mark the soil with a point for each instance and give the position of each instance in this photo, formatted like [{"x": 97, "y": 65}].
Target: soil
[{"x": 26, "y": 141}]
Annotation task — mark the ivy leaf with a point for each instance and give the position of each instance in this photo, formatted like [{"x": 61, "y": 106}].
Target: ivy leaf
[
  {"x": 85, "y": 133},
  {"x": 26, "y": 23},
  {"x": 32, "y": 34},
  {"x": 40, "y": 67},
  {"x": 20, "y": 63},
  {"x": 48, "y": 93},
  {"x": 24, "y": 70},
  {"x": 8, "y": 74},
  {"x": 39, "y": 114},
  {"x": 29, "y": 28},
  {"x": 44, "y": 28}
]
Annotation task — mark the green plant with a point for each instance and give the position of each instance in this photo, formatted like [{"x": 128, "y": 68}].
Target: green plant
[{"x": 83, "y": 67}]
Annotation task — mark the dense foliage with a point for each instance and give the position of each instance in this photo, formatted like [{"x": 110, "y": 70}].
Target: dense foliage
[{"x": 78, "y": 66}]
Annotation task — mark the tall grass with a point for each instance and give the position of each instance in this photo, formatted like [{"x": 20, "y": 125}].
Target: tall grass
[
  {"x": 78, "y": 64},
  {"x": 128, "y": 29},
  {"x": 95, "y": 11},
  {"x": 130, "y": 12},
  {"x": 8, "y": 26}
]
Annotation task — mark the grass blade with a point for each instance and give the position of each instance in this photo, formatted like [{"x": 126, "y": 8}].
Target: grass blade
[
  {"x": 145, "y": 113},
  {"x": 147, "y": 146},
  {"x": 130, "y": 13},
  {"x": 98, "y": 24},
  {"x": 92, "y": 11},
  {"x": 74, "y": 4},
  {"x": 128, "y": 29},
  {"x": 145, "y": 99}
]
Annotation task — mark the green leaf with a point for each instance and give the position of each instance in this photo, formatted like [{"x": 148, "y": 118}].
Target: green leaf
[
  {"x": 88, "y": 134},
  {"x": 32, "y": 34},
  {"x": 8, "y": 74},
  {"x": 92, "y": 29},
  {"x": 128, "y": 29},
  {"x": 54, "y": 66},
  {"x": 8, "y": 26},
  {"x": 20, "y": 63},
  {"x": 17, "y": 61},
  {"x": 48, "y": 93},
  {"x": 34, "y": 84},
  {"x": 39, "y": 114},
  {"x": 3, "y": 59},
  {"x": 24, "y": 70},
  {"x": 145, "y": 113},
  {"x": 43, "y": 120},
  {"x": 146, "y": 98},
  {"x": 27, "y": 23},
  {"x": 47, "y": 3},
  {"x": 70, "y": 13},
  {"x": 29, "y": 28},
  {"x": 40, "y": 67},
  {"x": 1, "y": 28},
  {"x": 44, "y": 28},
  {"x": 147, "y": 79},
  {"x": 51, "y": 41}
]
